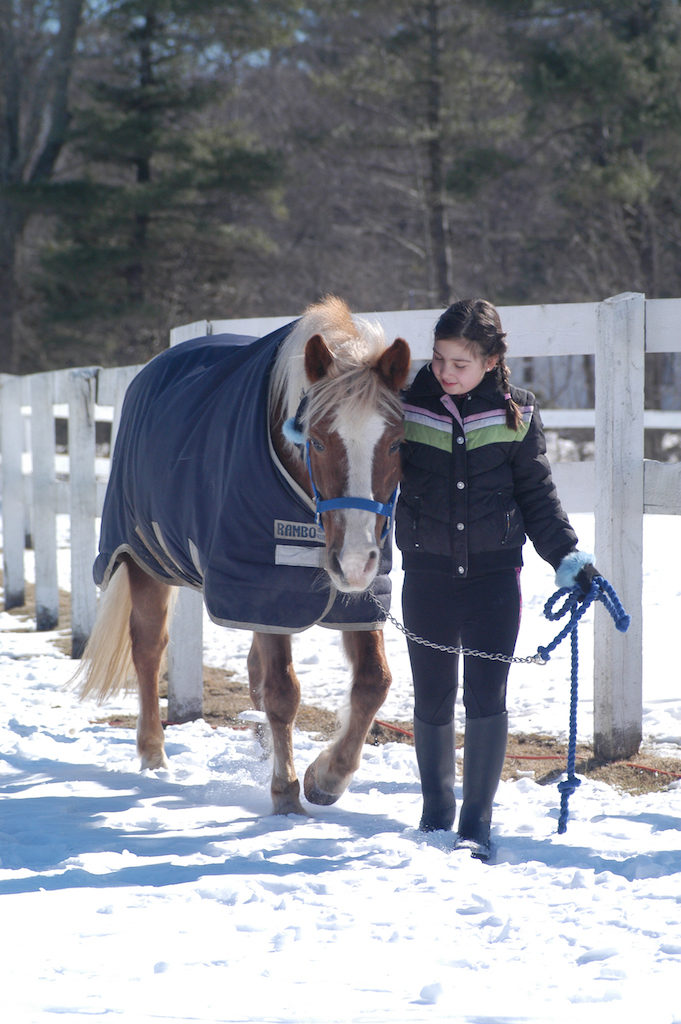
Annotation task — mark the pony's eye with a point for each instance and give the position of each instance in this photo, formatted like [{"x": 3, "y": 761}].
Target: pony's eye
[
  {"x": 317, "y": 445},
  {"x": 395, "y": 447}
]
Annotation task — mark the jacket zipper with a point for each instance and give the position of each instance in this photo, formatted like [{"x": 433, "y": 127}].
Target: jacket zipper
[{"x": 507, "y": 518}]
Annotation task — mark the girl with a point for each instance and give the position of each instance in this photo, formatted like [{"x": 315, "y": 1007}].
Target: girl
[{"x": 475, "y": 481}]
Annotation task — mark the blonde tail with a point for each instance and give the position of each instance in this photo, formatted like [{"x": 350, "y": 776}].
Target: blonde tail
[{"x": 107, "y": 667}]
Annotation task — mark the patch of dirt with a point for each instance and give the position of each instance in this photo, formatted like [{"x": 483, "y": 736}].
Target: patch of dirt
[
  {"x": 645, "y": 773},
  {"x": 537, "y": 756},
  {"x": 528, "y": 755},
  {"x": 25, "y": 616}
]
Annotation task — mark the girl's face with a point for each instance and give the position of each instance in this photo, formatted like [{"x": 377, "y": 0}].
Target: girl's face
[{"x": 458, "y": 365}]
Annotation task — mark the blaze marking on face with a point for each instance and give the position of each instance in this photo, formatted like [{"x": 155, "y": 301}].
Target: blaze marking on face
[{"x": 359, "y": 542}]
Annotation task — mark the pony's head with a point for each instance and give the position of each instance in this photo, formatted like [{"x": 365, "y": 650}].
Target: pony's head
[{"x": 337, "y": 384}]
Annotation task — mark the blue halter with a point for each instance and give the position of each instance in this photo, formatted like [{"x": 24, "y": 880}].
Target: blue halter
[{"x": 294, "y": 434}]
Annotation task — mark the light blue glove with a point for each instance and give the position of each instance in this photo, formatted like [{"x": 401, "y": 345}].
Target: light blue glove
[{"x": 571, "y": 567}]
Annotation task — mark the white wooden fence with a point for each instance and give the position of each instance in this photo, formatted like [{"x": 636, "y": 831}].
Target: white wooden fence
[
  {"x": 37, "y": 483},
  {"x": 619, "y": 486}
]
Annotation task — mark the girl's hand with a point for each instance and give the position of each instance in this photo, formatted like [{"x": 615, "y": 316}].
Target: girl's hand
[
  {"x": 577, "y": 570},
  {"x": 585, "y": 578}
]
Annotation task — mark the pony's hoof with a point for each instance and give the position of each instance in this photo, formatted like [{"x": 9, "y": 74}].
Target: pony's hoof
[
  {"x": 314, "y": 793},
  {"x": 289, "y": 807},
  {"x": 153, "y": 762},
  {"x": 285, "y": 800}
]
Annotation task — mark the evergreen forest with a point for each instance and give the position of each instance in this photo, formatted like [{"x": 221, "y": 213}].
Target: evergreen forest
[{"x": 165, "y": 161}]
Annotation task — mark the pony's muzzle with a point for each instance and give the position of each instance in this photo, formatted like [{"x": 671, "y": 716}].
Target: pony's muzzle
[
  {"x": 353, "y": 565},
  {"x": 354, "y": 576}
]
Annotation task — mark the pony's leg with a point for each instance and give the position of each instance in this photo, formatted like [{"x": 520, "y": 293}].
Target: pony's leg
[
  {"x": 330, "y": 774},
  {"x": 149, "y": 637},
  {"x": 277, "y": 691}
]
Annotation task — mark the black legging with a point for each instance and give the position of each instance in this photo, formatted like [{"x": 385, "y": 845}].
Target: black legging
[{"x": 482, "y": 613}]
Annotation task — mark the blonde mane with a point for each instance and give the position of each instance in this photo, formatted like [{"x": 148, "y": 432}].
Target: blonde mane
[{"x": 356, "y": 344}]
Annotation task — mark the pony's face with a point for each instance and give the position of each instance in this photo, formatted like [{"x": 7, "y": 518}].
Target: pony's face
[
  {"x": 355, "y": 458},
  {"x": 355, "y": 452}
]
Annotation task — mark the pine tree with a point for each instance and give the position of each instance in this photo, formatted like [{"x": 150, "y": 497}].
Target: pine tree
[
  {"x": 605, "y": 121},
  {"x": 420, "y": 98},
  {"x": 37, "y": 46},
  {"x": 159, "y": 214}
]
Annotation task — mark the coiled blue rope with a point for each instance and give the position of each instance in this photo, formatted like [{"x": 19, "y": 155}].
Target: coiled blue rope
[{"x": 576, "y": 603}]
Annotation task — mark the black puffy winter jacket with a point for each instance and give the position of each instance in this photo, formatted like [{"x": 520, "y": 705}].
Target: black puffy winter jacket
[{"x": 472, "y": 488}]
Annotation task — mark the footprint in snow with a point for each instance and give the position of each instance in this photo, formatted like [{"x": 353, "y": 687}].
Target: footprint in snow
[
  {"x": 431, "y": 993},
  {"x": 594, "y": 955}
]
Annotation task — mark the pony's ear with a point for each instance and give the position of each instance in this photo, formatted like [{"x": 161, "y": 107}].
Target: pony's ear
[
  {"x": 318, "y": 358},
  {"x": 393, "y": 366}
]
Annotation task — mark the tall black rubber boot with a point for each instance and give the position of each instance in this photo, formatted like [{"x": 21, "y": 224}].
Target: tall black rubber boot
[
  {"x": 484, "y": 751},
  {"x": 435, "y": 754}
]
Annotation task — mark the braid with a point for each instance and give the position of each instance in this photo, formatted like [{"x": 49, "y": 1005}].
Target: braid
[{"x": 514, "y": 416}]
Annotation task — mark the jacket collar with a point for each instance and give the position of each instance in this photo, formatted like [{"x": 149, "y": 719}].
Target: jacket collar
[{"x": 426, "y": 385}]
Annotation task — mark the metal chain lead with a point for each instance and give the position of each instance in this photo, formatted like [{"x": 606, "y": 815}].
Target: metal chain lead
[{"x": 532, "y": 659}]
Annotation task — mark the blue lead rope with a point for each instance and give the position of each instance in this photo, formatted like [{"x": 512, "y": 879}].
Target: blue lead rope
[{"x": 576, "y": 604}]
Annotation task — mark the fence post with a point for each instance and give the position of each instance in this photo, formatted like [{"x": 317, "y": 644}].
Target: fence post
[
  {"x": 618, "y": 661},
  {"x": 82, "y": 385},
  {"x": 13, "y": 518},
  {"x": 185, "y": 658},
  {"x": 44, "y": 501},
  {"x": 185, "y": 649}
]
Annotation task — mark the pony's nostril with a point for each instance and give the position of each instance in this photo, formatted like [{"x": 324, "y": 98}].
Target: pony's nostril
[
  {"x": 372, "y": 559},
  {"x": 335, "y": 566}
]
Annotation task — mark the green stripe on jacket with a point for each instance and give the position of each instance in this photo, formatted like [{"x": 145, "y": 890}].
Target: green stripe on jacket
[
  {"x": 497, "y": 432},
  {"x": 422, "y": 434}
]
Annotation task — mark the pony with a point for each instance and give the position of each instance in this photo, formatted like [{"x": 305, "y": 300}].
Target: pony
[{"x": 329, "y": 410}]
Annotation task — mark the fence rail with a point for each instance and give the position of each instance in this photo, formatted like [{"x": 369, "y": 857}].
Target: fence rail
[{"x": 37, "y": 482}]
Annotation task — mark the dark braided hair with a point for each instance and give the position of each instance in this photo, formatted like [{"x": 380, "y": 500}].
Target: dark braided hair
[{"x": 477, "y": 322}]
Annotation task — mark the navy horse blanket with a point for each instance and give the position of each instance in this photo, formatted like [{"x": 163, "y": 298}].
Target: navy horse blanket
[{"x": 198, "y": 497}]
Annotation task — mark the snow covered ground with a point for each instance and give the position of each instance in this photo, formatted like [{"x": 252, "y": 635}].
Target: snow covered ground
[{"x": 176, "y": 896}]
